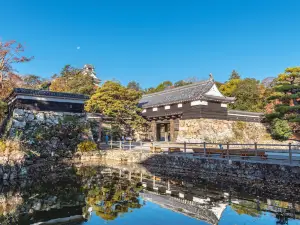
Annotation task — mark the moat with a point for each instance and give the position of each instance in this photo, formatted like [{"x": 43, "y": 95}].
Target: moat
[{"x": 129, "y": 194}]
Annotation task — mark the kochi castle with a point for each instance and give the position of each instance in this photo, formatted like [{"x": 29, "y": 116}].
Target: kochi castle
[{"x": 89, "y": 69}]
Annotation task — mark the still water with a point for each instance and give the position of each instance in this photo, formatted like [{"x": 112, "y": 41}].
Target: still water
[{"x": 92, "y": 195}]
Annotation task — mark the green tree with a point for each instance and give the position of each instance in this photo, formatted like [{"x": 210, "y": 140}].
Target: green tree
[
  {"x": 32, "y": 81},
  {"x": 280, "y": 129},
  {"x": 45, "y": 85},
  {"x": 134, "y": 85},
  {"x": 181, "y": 83},
  {"x": 73, "y": 80},
  {"x": 118, "y": 102},
  {"x": 234, "y": 75},
  {"x": 286, "y": 103},
  {"x": 249, "y": 93},
  {"x": 149, "y": 90},
  {"x": 163, "y": 86},
  {"x": 248, "y": 96}
]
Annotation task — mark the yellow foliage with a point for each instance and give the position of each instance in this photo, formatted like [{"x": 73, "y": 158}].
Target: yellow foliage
[
  {"x": 282, "y": 77},
  {"x": 2, "y": 146},
  {"x": 86, "y": 146},
  {"x": 229, "y": 87}
]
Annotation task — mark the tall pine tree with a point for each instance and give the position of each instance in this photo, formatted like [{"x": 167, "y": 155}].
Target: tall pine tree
[
  {"x": 234, "y": 75},
  {"x": 285, "y": 119}
]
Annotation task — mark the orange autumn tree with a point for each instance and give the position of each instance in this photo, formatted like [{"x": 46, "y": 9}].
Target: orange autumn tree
[
  {"x": 10, "y": 54},
  {"x": 73, "y": 80}
]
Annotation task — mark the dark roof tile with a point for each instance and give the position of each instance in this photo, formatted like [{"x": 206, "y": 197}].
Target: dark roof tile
[
  {"x": 32, "y": 92},
  {"x": 192, "y": 92}
]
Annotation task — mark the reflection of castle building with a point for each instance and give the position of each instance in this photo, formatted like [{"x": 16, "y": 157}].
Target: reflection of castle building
[
  {"x": 192, "y": 209},
  {"x": 207, "y": 204}
]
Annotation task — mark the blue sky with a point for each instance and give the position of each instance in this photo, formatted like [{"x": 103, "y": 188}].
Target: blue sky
[{"x": 155, "y": 40}]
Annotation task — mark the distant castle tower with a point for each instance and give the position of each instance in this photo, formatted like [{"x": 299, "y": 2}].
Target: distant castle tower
[{"x": 89, "y": 69}]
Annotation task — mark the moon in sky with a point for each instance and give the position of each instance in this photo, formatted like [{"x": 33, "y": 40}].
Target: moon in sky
[{"x": 78, "y": 47}]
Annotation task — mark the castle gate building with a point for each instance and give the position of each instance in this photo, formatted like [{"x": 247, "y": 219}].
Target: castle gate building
[{"x": 202, "y": 99}]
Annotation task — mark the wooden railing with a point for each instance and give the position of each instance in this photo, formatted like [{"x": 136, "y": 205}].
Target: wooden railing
[{"x": 283, "y": 153}]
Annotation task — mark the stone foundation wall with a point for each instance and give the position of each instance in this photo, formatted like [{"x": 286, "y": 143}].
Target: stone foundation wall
[
  {"x": 197, "y": 168},
  {"x": 113, "y": 155},
  {"x": 48, "y": 133},
  {"x": 214, "y": 131}
]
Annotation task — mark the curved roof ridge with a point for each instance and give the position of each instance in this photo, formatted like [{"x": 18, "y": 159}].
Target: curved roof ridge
[
  {"x": 191, "y": 92},
  {"x": 178, "y": 88}
]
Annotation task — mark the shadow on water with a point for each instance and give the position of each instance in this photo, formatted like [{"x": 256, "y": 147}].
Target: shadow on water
[{"x": 107, "y": 192}]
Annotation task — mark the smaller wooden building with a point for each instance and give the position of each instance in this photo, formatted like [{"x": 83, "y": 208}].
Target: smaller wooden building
[
  {"x": 198, "y": 100},
  {"x": 40, "y": 100}
]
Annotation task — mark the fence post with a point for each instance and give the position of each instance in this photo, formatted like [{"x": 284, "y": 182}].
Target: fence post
[
  {"x": 255, "y": 147},
  {"x": 141, "y": 177},
  {"x": 204, "y": 148},
  {"x": 111, "y": 145},
  {"x": 129, "y": 145},
  {"x": 120, "y": 145},
  {"x": 290, "y": 153},
  {"x": 227, "y": 150},
  {"x": 184, "y": 147}
]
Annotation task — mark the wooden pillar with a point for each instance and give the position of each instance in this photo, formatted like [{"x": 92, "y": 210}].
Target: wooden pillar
[
  {"x": 166, "y": 132},
  {"x": 153, "y": 130},
  {"x": 172, "y": 130}
]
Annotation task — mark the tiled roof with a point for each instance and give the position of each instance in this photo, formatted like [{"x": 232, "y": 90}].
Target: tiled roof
[
  {"x": 41, "y": 93},
  {"x": 192, "y": 92}
]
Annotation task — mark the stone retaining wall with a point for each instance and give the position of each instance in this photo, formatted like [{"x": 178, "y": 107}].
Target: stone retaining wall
[
  {"x": 48, "y": 132},
  {"x": 198, "y": 168},
  {"x": 216, "y": 131}
]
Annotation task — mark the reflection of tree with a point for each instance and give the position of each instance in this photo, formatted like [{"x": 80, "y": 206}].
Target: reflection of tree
[
  {"x": 23, "y": 201},
  {"x": 8, "y": 208},
  {"x": 115, "y": 196},
  {"x": 248, "y": 207}
]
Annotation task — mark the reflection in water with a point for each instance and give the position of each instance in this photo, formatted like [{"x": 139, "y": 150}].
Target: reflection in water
[
  {"x": 110, "y": 196},
  {"x": 93, "y": 195}
]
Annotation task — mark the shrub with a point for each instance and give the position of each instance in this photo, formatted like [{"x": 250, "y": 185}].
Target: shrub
[
  {"x": 86, "y": 146},
  {"x": 280, "y": 130},
  {"x": 238, "y": 130}
]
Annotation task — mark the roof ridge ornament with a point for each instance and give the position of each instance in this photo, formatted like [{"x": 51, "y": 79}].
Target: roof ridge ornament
[{"x": 211, "y": 77}]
